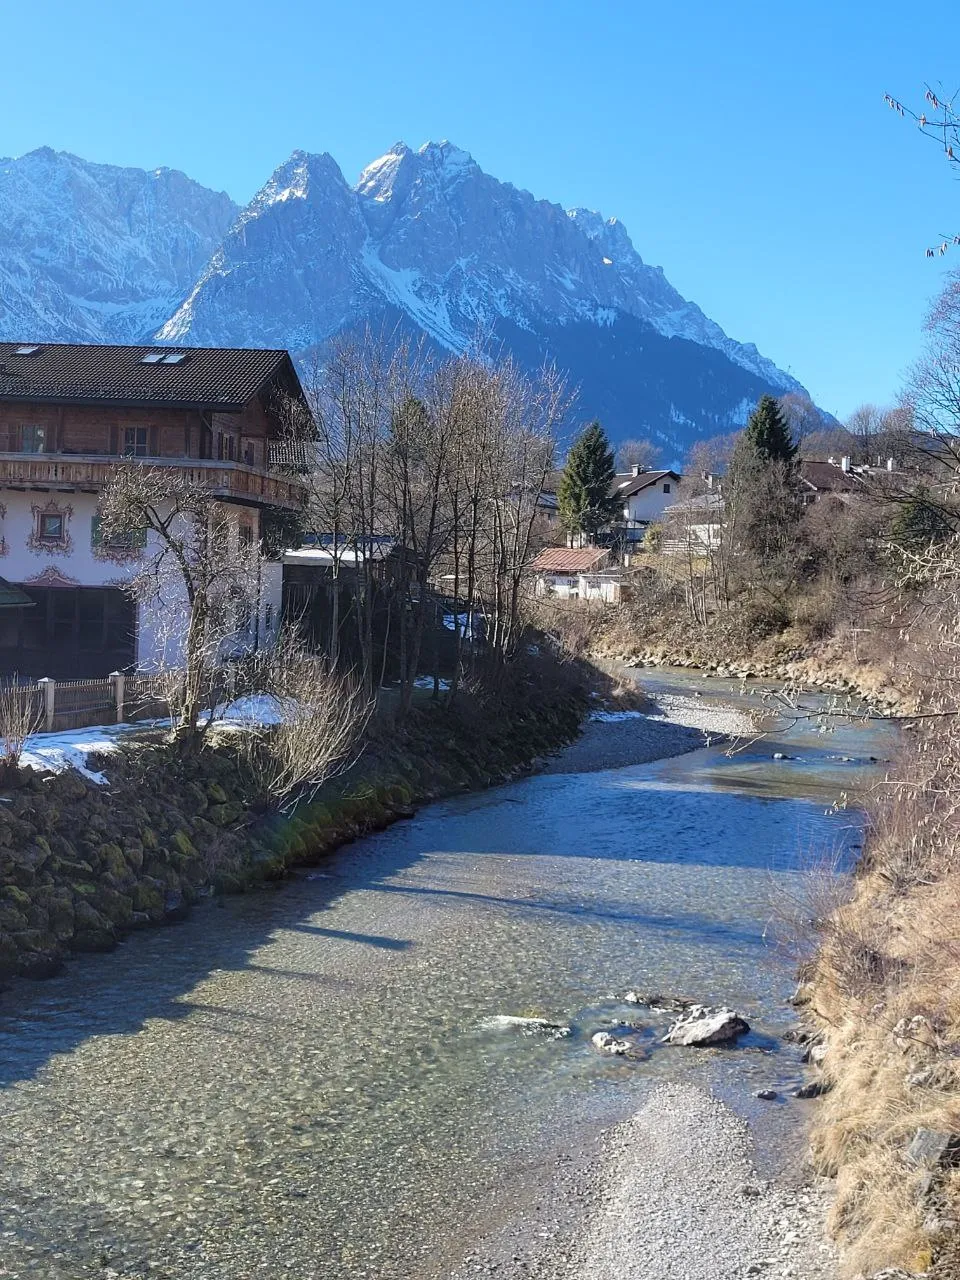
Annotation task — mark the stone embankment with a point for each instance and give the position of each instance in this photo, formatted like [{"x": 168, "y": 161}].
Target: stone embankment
[{"x": 81, "y": 865}]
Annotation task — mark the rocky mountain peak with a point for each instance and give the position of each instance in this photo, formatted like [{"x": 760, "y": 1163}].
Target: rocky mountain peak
[{"x": 425, "y": 243}]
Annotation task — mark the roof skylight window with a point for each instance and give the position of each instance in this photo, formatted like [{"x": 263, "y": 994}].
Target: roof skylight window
[
  {"x": 164, "y": 357},
  {"x": 29, "y": 349}
]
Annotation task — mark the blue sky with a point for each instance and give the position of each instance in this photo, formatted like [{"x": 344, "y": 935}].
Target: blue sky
[{"x": 745, "y": 146}]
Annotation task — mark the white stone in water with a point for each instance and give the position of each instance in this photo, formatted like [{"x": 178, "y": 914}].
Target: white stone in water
[
  {"x": 526, "y": 1026},
  {"x": 703, "y": 1025},
  {"x": 607, "y": 1043}
]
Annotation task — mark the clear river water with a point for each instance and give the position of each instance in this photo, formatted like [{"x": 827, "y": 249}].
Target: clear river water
[{"x": 297, "y": 1081}]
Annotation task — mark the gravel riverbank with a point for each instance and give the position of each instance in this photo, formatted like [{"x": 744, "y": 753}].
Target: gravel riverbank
[
  {"x": 680, "y": 1198},
  {"x": 673, "y": 1193},
  {"x": 678, "y": 723}
]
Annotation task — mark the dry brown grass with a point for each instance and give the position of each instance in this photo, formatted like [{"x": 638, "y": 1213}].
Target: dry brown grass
[{"x": 887, "y": 992}]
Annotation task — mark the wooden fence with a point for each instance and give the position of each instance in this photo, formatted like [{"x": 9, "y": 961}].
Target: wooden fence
[{"x": 75, "y": 704}]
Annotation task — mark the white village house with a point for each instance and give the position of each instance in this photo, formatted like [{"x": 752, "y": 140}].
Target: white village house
[
  {"x": 644, "y": 496},
  {"x": 68, "y": 414}
]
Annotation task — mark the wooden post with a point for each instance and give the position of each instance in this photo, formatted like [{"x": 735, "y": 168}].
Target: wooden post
[
  {"x": 49, "y": 689},
  {"x": 119, "y": 682}
]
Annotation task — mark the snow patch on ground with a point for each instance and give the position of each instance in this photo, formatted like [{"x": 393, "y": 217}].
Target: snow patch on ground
[
  {"x": 257, "y": 709},
  {"x": 55, "y": 752}
]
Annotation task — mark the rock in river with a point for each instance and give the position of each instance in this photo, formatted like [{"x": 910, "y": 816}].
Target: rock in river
[
  {"x": 663, "y": 1004},
  {"x": 619, "y": 1046},
  {"x": 525, "y": 1026},
  {"x": 703, "y": 1025}
]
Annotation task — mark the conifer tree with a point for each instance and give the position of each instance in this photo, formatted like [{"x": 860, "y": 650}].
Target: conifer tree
[
  {"x": 761, "y": 492},
  {"x": 768, "y": 434},
  {"x": 583, "y": 493}
]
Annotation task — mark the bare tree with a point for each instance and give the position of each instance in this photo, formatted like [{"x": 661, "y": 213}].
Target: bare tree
[
  {"x": 938, "y": 119},
  {"x": 802, "y": 416},
  {"x": 711, "y": 456},
  {"x": 829, "y": 442},
  {"x": 20, "y": 716},
  {"x": 932, "y": 394},
  {"x": 638, "y": 453},
  {"x": 194, "y": 573},
  {"x": 444, "y": 461}
]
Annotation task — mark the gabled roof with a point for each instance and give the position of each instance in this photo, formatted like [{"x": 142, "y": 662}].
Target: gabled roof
[
  {"x": 625, "y": 486},
  {"x": 826, "y": 477},
  {"x": 224, "y": 378},
  {"x": 570, "y": 559}
]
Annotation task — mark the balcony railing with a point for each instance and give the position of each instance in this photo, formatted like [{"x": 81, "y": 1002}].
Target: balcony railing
[{"x": 230, "y": 480}]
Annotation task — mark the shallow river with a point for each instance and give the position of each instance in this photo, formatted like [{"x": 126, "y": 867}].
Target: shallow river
[{"x": 297, "y": 1082}]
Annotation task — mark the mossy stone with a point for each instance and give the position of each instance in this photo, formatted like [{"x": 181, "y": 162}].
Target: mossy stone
[
  {"x": 149, "y": 897},
  {"x": 216, "y": 793},
  {"x": 116, "y": 907},
  {"x": 112, "y": 861},
  {"x": 16, "y": 896},
  {"x": 74, "y": 867},
  {"x": 133, "y": 853},
  {"x": 183, "y": 844},
  {"x": 12, "y": 920},
  {"x": 224, "y": 815}
]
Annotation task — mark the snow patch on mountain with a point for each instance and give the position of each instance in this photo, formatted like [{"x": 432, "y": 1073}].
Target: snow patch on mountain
[
  {"x": 99, "y": 253},
  {"x": 425, "y": 240}
]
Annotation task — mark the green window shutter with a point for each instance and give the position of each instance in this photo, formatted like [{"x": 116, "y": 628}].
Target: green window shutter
[{"x": 96, "y": 537}]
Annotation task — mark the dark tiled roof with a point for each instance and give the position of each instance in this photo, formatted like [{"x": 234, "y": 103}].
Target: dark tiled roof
[
  {"x": 625, "y": 486},
  {"x": 826, "y": 476},
  {"x": 215, "y": 377},
  {"x": 569, "y": 559}
]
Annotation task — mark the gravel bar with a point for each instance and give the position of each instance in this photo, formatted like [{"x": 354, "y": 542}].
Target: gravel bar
[
  {"x": 673, "y": 1193},
  {"x": 679, "y": 723},
  {"x": 680, "y": 1198}
]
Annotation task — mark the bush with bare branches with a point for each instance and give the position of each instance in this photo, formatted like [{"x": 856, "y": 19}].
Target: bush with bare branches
[
  {"x": 19, "y": 717},
  {"x": 319, "y": 719}
]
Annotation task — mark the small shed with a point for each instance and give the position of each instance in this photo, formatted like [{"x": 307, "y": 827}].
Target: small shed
[{"x": 576, "y": 573}]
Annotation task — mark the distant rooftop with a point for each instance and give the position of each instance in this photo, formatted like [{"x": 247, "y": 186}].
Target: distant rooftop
[
  {"x": 626, "y": 485},
  {"x": 569, "y": 560}
]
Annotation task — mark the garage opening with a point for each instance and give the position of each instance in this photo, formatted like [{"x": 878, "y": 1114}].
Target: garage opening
[{"x": 67, "y": 633}]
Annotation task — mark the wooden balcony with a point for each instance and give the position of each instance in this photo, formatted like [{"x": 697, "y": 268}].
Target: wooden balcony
[{"x": 88, "y": 473}]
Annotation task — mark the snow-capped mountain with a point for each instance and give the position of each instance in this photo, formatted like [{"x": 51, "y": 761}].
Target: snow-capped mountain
[
  {"x": 97, "y": 253},
  {"x": 425, "y": 242}
]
